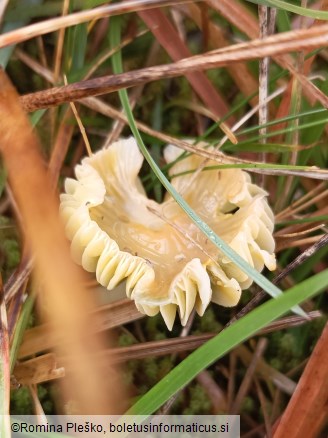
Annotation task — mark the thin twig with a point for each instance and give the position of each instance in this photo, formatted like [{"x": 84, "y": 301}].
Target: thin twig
[
  {"x": 109, "y": 111},
  {"x": 291, "y": 209},
  {"x": 60, "y": 44},
  {"x": 279, "y": 44},
  {"x": 295, "y": 109},
  {"x": 245, "y": 385},
  {"x": 267, "y": 24},
  {"x": 53, "y": 24},
  {"x": 80, "y": 124}
]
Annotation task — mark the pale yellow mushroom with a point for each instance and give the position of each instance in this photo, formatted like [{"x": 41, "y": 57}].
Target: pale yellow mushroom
[{"x": 120, "y": 234}]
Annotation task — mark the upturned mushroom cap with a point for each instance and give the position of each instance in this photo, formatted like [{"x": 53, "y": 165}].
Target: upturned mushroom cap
[{"x": 120, "y": 234}]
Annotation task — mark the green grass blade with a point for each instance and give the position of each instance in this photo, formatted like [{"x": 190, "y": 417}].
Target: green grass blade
[
  {"x": 20, "y": 329},
  {"x": 275, "y": 148},
  {"x": 280, "y": 4},
  {"x": 275, "y": 168},
  {"x": 288, "y": 118},
  {"x": 287, "y": 130},
  {"x": 322, "y": 218},
  {"x": 265, "y": 284},
  {"x": 36, "y": 116},
  {"x": 15, "y": 22},
  {"x": 225, "y": 341}
]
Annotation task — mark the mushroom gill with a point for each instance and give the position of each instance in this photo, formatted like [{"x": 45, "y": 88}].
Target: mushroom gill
[{"x": 119, "y": 233}]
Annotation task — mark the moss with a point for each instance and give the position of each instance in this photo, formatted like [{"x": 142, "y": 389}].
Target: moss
[
  {"x": 12, "y": 251},
  {"x": 288, "y": 348},
  {"x": 125, "y": 340},
  {"x": 208, "y": 322},
  {"x": 9, "y": 246},
  {"x": 309, "y": 334},
  {"x": 165, "y": 366},
  {"x": 127, "y": 375},
  {"x": 284, "y": 350},
  {"x": 45, "y": 397},
  {"x": 21, "y": 402},
  {"x": 247, "y": 405},
  {"x": 199, "y": 403},
  {"x": 155, "y": 328},
  {"x": 150, "y": 368}
]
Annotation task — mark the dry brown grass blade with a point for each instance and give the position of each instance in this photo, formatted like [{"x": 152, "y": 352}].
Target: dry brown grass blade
[
  {"x": 38, "y": 370},
  {"x": 264, "y": 408},
  {"x": 17, "y": 279},
  {"x": 134, "y": 97},
  {"x": 14, "y": 288},
  {"x": 60, "y": 44},
  {"x": 37, "y": 406},
  {"x": 309, "y": 186},
  {"x": 249, "y": 375},
  {"x": 298, "y": 206},
  {"x": 289, "y": 321},
  {"x": 265, "y": 371},
  {"x": 298, "y": 232},
  {"x": 307, "y": 410},
  {"x": 238, "y": 15},
  {"x": 159, "y": 348},
  {"x": 112, "y": 315},
  {"x": 274, "y": 45},
  {"x": 81, "y": 128},
  {"x": 60, "y": 148},
  {"x": 169, "y": 38},
  {"x": 296, "y": 243},
  {"x": 303, "y": 228},
  {"x": 240, "y": 73},
  {"x": 267, "y": 24},
  {"x": 34, "y": 369},
  {"x": 215, "y": 393},
  {"x": 35, "y": 66},
  {"x": 284, "y": 106},
  {"x": 46, "y": 365},
  {"x": 53, "y": 24},
  {"x": 4, "y": 356},
  {"x": 109, "y": 111},
  {"x": 68, "y": 302}
]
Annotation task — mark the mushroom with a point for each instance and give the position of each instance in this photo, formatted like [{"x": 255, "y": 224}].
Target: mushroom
[{"x": 120, "y": 234}]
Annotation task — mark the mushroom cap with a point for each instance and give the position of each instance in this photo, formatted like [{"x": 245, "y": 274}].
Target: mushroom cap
[{"x": 120, "y": 234}]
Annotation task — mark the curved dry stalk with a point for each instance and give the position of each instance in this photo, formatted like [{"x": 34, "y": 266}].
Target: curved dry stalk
[
  {"x": 249, "y": 375},
  {"x": 275, "y": 45},
  {"x": 42, "y": 338},
  {"x": 49, "y": 366},
  {"x": 109, "y": 111},
  {"x": 53, "y": 24},
  {"x": 240, "y": 72},
  {"x": 267, "y": 23},
  {"x": 60, "y": 278},
  {"x": 168, "y": 37},
  {"x": 60, "y": 44}
]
